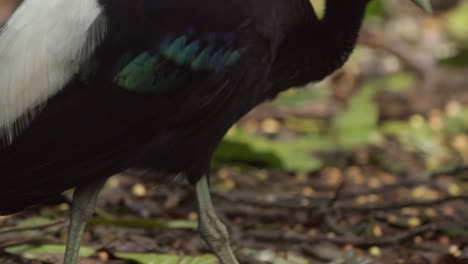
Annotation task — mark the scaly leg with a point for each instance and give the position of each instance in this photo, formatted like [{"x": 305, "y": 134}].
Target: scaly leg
[
  {"x": 212, "y": 230},
  {"x": 83, "y": 205}
]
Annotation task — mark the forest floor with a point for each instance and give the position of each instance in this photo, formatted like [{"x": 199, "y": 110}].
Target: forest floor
[{"x": 354, "y": 213}]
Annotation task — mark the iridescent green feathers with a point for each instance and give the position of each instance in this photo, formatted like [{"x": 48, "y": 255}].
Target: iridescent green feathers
[
  {"x": 176, "y": 58},
  {"x": 138, "y": 74}
]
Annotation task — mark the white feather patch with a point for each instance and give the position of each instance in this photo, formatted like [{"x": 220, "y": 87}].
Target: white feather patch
[{"x": 42, "y": 47}]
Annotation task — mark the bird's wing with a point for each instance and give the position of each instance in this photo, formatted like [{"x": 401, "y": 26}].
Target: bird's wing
[
  {"x": 176, "y": 58},
  {"x": 205, "y": 42},
  {"x": 171, "y": 61},
  {"x": 41, "y": 47},
  {"x": 175, "y": 41}
]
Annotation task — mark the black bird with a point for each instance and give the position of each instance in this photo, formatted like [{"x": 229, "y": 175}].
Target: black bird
[{"x": 91, "y": 88}]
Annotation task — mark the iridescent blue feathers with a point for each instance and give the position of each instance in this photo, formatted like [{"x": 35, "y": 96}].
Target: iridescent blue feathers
[{"x": 175, "y": 58}]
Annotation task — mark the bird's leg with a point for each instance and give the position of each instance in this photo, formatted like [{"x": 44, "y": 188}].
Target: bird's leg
[
  {"x": 212, "y": 230},
  {"x": 83, "y": 205}
]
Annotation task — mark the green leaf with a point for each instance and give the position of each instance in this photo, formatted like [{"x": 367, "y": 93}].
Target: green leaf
[
  {"x": 292, "y": 155},
  {"x": 319, "y": 6},
  {"x": 424, "y": 4},
  {"x": 305, "y": 95},
  {"x": 167, "y": 259},
  {"x": 456, "y": 23},
  {"x": 457, "y": 124},
  {"x": 358, "y": 123},
  {"x": 459, "y": 60},
  {"x": 33, "y": 252},
  {"x": 355, "y": 125},
  {"x": 375, "y": 8},
  {"x": 144, "y": 223}
]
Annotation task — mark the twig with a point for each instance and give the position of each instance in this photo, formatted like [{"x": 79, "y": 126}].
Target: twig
[
  {"x": 318, "y": 208},
  {"x": 385, "y": 188},
  {"x": 270, "y": 215},
  {"x": 345, "y": 207},
  {"x": 427, "y": 180},
  {"x": 359, "y": 242},
  {"x": 330, "y": 211},
  {"x": 34, "y": 227},
  {"x": 290, "y": 205},
  {"x": 315, "y": 254},
  {"x": 23, "y": 241},
  {"x": 337, "y": 195},
  {"x": 452, "y": 171},
  {"x": 419, "y": 63},
  {"x": 400, "y": 205},
  {"x": 248, "y": 259},
  {"x": 429, "y": 248}
]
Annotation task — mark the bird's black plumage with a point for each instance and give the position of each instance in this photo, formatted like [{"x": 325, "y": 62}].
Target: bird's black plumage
[{"x": 137, "y": 104}]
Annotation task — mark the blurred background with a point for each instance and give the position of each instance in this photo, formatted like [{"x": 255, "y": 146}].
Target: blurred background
[{"x": 368, "y": 166}]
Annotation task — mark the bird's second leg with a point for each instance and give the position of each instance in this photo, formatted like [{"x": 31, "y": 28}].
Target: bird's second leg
[
  {"x": 212, "y": 230},
  {"x": 83, "y": 206}
]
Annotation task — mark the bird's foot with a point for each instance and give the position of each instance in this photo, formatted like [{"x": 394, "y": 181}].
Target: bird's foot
[{"x": 212, "y": 230}]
